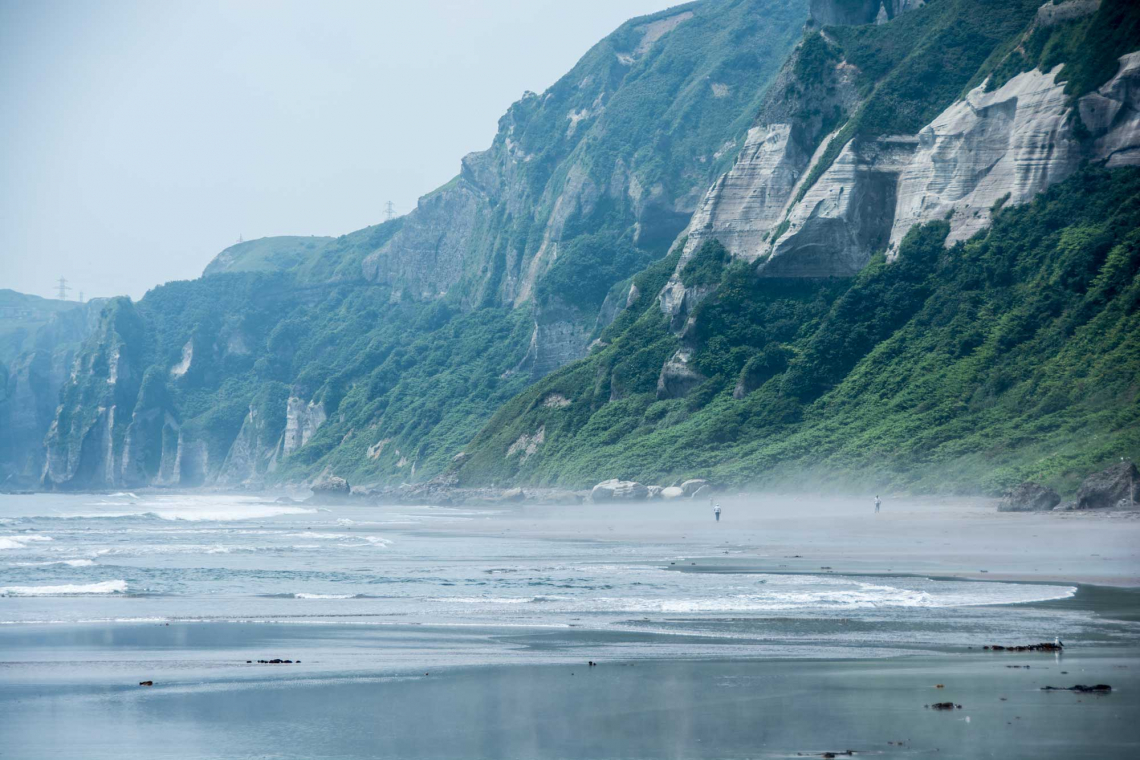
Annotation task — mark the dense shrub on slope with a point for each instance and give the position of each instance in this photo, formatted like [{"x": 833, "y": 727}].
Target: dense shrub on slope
[{"x": 1011, "y": 356}]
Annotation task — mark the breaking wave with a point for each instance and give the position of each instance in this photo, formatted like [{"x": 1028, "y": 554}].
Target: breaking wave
[{"x": 74, "y": 589}]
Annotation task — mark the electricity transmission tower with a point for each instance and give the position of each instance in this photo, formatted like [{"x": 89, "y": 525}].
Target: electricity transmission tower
[
  {"x": 389, "y": 211},
  {"x": 63, "y": 288}
]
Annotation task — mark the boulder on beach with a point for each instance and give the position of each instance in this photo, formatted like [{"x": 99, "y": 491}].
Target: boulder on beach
[
  {"x": 690, "y": 487},
  {"x": 1110, "y": 486},
  {"x": 332, "y": 485},
  {"x": 672, "y": 492},
  {"x": 1029, "y": 497},
  {"x": 654, "y": 492},
  {"x": 330, "y": 490},
  {"x": 618, "y": 490}
]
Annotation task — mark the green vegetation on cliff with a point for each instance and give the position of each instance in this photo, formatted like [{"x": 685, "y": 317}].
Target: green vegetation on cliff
[
  {"x": 384, "y": 354},
  {"x": 910, "y": 70},
  {"x": 22, "y": 317},
  {"x": 1014, "y": 355},
  {"x": 1089, "y": 47},
  {"x": 272, "y": 254},
  {"x": 378, "y": 355}
]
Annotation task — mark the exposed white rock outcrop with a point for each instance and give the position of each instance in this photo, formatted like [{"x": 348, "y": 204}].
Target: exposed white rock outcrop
[
  {"x": 677, "y": 378},
  {"x": 845, "y": 216},
  {"x": 1012, "y": 144},
  {"x": 376, "y": 449},
  {"x": 151, "y": 430},
  {"x": 183, "y": 366},
  {"x": 1008, "y": 144},
  {"x": 527, "y": 445},
  {"x": 690, "y": 487},
  {"x": 745, "y": 203},
  {"x": 655, "y": 30},
  {"x": 192, "y": 462},
  {"x": 301, "y": 422},
  {"x": 254, "y": 452}
]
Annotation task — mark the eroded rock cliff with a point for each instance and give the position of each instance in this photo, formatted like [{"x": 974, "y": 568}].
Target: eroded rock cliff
[
  {"x": 800, "y": 204},
  {"x": 385, "y": 349}
]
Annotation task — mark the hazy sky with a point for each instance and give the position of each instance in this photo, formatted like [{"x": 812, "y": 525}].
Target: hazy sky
[{"x": 138, "y": 139}]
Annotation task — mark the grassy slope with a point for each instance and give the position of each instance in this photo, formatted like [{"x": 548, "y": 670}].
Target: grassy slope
[
  {"x": 21, "y": 316},
  {"x": 271, "y": 254},
  {"x": 1014, "y": 355}
]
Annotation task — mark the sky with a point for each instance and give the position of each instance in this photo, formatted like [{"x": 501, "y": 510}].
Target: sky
[{"x": 139, "y": 139}]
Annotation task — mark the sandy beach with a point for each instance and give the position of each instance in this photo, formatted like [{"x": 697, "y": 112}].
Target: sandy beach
[
  {"x": 756, "y": 637},
  {"x": 948, "y": 537}
]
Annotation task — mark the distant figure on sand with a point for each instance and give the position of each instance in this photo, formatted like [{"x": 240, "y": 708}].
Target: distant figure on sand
[
  {"x": 716, "y": 511},
  {"x": 878, "y": 502}
]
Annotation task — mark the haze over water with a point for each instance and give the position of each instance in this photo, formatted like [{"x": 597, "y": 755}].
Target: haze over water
[{"x": 169, "y": 557}]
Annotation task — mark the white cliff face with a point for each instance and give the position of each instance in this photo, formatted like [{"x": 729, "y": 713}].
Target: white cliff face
[
  {"x": 301, "y": 422},
  {"x": 845, "y": 216},
  {"x": 151, "y": 430},
  {"x": 745, "y": 203},
  {"x": 1013, "y": 143},
  {"x": 1009, "y": 144},
  {"x": 253, "y": 453},
  {"x": 677, "y": 377},
  {"x": 182, "y": 367}
]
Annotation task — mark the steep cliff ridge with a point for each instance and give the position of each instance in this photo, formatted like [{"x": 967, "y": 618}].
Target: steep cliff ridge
[
  {"x": 85, "y": 442},
  {"x": 1003, "y": 142},
  {"x": 38, "y": 342},
  {"x": 881, "y": 150},
  {"x": 625, "y": 142},
  {"x": 812, "y": 169},
  {"x": 1009, "y": 357},
  {"x": 377, "y": 355},
  {"x": 803, "y": 213}
]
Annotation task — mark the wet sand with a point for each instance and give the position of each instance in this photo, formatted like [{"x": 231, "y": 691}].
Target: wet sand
[
  {"x": 959, "y": 538},
  {"x": 647, "y": 709}
]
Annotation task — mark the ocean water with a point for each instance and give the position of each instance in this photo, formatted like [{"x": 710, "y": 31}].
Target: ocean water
[
  {"x": 177, "y": 558},
  {"x": 431, "y": 632}
]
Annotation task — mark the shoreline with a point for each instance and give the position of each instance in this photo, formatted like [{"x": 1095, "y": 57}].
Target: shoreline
[{"x": 744, "y": 683}]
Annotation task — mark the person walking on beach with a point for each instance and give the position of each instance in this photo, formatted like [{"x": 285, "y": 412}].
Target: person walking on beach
[
  {"x": 716, "y": 512},
  {"x": 878, "y": 502}
]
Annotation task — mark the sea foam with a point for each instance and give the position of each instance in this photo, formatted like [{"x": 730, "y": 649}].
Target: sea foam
[
  {"x": 21, "y": 542},
  {"x": 104, "y": 587}
]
